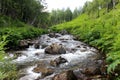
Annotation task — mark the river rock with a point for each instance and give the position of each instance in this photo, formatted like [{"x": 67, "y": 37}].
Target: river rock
[
  {"x": 26, "y": 43},
  {"x": 58, "y": 61},
  {"x": 91, "y": 70},
  {"x": 44, "y": 70},
  {"x": 51, "y": 35},
  {"x": 66, "y": 75},
  {"x": 55, "y": 49},
  {"x": 63, "y": 32},
  {"x": 54, "y": 35},
  {"x": 18, "y": 53},
  {"x": 37, "y": 46},
  {"x": 23, "y": 43}
]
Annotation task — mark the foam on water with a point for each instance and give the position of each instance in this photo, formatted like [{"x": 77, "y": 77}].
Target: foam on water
[
  {"x": 66, "y": 37},
  {"x": 77, "y": 56},
  {"x": 30, "y": 74},
  {"x": 30, "y": 55},
  {"x": 76, "y": 53}
]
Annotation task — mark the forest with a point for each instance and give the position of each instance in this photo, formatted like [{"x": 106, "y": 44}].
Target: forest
[{"x": 97, "y": 24}]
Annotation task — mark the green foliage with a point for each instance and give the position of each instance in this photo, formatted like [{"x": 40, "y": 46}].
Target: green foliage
[
  {"x": 64, "y": 15},
  {"x": 102, "y": 32},
  {"x": 28, "y": 11},
  {"x": 18, "y": 33},
  {"x": 2, "y": 44},
  {"x": 7, "y": 69},
  {"x": 6, "y": 21},
  {"x": 2, "y": 75}
]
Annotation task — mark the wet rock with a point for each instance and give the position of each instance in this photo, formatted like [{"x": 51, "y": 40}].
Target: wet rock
[
  {"x": 44, "y": 46},
  {"x": 54, "y": 35},
  {"x": 55, "y": 49},
  {"x": 26, "y": 43},
  {"x": 83, "y": 49},
  {"x": 58, "y": 35},
  {"x": 82, "y": 76},
  {"x": 51, "y": 35},
  {"x": 37, "y": 54},
  {"x": 63, "y": 32},
  {"x": 23, "y": 43},
  {"x": 58, "y": 61},
  {"x": 91, "y": 70},
  {"x": 79, "y": 75},
  {"x": 44, "y": 70},
  {"x": 67, "y": 75},
  {"x": 18, "y": 53},
  {"x": 37, "y": 46}
]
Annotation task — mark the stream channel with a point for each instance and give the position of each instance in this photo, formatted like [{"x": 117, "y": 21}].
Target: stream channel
[{"x": 38, "y": 64}]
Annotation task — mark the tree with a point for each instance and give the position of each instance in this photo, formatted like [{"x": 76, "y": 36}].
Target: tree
[
  {"x": 27, "y": 11},
  {"x": 76, "y": 12},
  {"x": 68, "y": 14}
]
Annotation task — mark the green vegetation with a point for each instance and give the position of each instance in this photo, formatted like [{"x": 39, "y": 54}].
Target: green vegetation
[
  {"x": 19, "y": 19},
  {"x": 97, "y": 25},
  {"x": 28, "y": 11},
  {"x": 7, "y": 70},
  {"x": 99, "y": 30},
  {"x": 64, "y": 15},
  {"x": 17, "y": 30}
]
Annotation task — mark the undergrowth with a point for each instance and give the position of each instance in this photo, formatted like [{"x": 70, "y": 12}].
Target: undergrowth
[
  {"x": 17, "y": 31},
  {"x": 7, "y": 69}
]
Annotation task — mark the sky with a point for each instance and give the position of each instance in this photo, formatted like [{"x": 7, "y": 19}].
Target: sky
[{"x": 60, "y": 4}]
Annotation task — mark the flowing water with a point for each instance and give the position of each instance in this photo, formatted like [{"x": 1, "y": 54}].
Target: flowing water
[{"x": 78, "y": 54}]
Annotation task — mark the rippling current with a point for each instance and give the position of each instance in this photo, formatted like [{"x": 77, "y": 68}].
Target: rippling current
[{"x": 78, "y": 55}]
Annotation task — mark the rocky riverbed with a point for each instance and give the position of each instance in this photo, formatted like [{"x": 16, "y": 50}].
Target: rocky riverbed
[{"x": 58, "y": 57}]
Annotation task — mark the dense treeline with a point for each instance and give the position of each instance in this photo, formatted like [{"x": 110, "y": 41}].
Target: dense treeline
[
  {"x": 28, "y": 11},
  {"x": 99, "y": 26},
  {"x": 95, "y": 6},
  {"x": 64, "y": 15}
]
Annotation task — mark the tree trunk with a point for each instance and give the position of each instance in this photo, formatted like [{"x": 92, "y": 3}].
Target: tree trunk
[{"x": 114, "y": 2}]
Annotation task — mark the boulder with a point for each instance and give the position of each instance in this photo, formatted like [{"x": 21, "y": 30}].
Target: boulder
[
  {"x": 23, "y": 43},
  {"x": 66, "y": 75},
  {"x": 55, "y": 49},
  {"x": 91, "y": 71},
  {"x": 58, "y": 61},
  {"x": 44, "y": 70}
]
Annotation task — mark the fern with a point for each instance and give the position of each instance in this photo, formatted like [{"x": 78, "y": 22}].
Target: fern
[
  {"x": 113, "y": 66},
  {"x": 2, "y": 75}
]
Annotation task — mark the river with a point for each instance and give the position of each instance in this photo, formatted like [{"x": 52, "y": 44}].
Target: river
[{"x": 79, "y": 57}]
